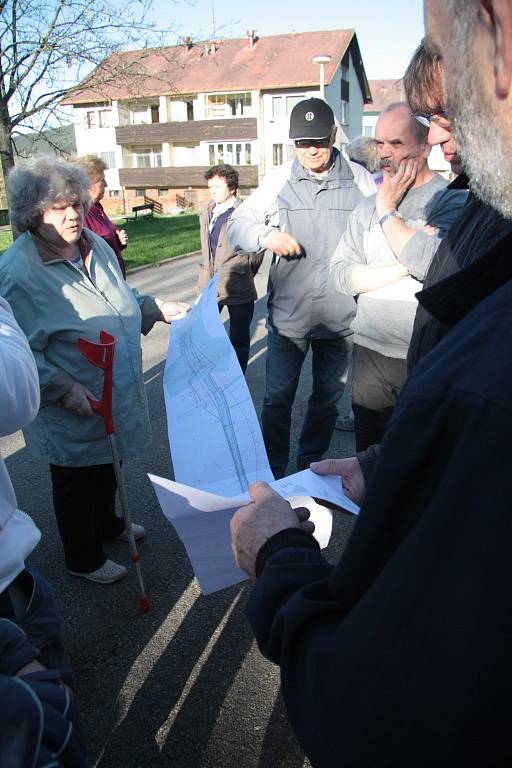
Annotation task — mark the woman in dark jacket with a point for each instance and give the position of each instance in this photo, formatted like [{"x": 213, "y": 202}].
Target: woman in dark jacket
[
  {"x": 96, "y": 219},
  {"x": 235, "y": 268}
]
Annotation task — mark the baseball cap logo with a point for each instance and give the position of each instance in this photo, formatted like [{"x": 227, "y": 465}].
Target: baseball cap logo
[{"x": 309, "y": 116}]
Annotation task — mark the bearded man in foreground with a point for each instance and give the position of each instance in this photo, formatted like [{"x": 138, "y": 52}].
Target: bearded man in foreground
[{"x": 400, "y": 655}]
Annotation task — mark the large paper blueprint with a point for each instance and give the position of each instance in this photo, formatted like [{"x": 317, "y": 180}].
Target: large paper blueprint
[
  {"x": 217, "y": 448},
  {"x": 214, "y": 435}
]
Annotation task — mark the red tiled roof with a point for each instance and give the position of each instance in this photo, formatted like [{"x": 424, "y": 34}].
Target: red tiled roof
[
  {"x": 384, "y": 92},
  {"x": 278, "y": 61}
]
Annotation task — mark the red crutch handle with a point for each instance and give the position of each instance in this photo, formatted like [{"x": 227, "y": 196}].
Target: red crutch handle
[{"x": 101, "y": 355}]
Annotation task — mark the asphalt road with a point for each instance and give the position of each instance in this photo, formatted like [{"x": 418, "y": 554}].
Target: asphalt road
[{"x": 183, "y": 685}]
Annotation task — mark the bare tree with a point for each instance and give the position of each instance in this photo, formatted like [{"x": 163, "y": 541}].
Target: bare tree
[{"x": 47, "y": 46}]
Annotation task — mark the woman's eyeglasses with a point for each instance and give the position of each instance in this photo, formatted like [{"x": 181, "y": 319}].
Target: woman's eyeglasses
[{"x": 438, "y": 118}]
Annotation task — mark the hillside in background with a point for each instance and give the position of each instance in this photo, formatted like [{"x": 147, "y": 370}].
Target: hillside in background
[{"x": 53, "y": 141}]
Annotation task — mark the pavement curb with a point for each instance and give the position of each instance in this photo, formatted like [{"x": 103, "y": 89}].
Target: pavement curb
[{"x": 156, "y": 264}]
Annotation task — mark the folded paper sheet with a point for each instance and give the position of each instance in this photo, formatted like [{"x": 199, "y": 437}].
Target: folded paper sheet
[{"x": 201, "y": 520}]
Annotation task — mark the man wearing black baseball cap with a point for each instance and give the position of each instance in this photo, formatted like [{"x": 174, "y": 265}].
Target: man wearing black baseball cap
[{"x": 300, "y": 211}]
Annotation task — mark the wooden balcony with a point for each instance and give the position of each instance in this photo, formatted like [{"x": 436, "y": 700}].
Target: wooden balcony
[
  {"x": 180, "y": 177},
  {"x": 193, "y": 131}
]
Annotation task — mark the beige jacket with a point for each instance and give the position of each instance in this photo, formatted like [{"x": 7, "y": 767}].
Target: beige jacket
[{"x": 236, "y": 269}]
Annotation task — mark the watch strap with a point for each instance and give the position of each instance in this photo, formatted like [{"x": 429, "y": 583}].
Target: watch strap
[{"x": 389, "y": 215}]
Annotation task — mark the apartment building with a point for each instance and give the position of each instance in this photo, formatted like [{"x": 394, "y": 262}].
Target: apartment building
[{"x": 160, "y": 118}]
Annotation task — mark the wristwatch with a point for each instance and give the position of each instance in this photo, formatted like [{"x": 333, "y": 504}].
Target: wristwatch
[{"x": 388, "y": 215}]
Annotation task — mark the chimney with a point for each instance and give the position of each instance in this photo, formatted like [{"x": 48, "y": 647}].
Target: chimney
[
  {"x": 252, "y": 37},
  {"x": 213, "y": 47},
  {"x": 187, "y": 42}
]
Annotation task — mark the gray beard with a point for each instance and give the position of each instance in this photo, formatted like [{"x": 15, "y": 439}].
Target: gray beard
[{"x": 483, "y": 145}]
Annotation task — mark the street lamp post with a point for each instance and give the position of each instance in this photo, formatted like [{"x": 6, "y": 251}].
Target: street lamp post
[{"x": 322, "y": 60}]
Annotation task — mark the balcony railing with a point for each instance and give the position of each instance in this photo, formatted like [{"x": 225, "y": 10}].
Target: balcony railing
[
  {"x": 180, "y": 177},
  {"x": 193, "y": 131}
]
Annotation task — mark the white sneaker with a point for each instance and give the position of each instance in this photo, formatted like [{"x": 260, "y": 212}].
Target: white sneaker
[
  {"x": 108, "y": 573},
  {"x": 138, "y": 533}
]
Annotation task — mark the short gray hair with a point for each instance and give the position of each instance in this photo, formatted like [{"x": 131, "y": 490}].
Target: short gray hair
[
  {"x": 363, "y": 150},
  {"x": 34, "y": 187}
]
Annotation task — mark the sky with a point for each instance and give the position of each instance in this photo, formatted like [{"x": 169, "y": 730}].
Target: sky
[{"x": 388, "y": 31}]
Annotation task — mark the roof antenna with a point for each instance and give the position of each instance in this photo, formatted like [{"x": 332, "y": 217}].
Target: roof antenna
[{"x": 213, "y": 18}]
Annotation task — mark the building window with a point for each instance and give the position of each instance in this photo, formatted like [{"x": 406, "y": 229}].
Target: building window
[
  {"x": 109, "y": 158},
  {"x": 190, "y": 110},
  {"x": 277, "y": 107},
  {"x": 163, "y": 192},
  {"x": 147, "y": 157},
  {"x": 228, "y": 105},
  {"x": 91, "y": 118},
  {"x": 277, "y": 154},
  {"x": 230, "y": 152},
  {"x": 344, "y": 113},
  {"x": 139, "y": 192},
  {"x": 113, "y": 193},
  {"x": 145, "y": 114},
  {"x": 105, "y": 118},
  {"x": 291, "y": 101},
  {"x": 290, "y": 152},
  {"x": 367, "y": 130},
  {"x": 345, "y": 65}
]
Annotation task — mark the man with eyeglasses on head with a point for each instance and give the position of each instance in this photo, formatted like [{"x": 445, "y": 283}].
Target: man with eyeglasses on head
[
  {"x": 300, "y": 211},
  {"x": 478, "y": 228}
]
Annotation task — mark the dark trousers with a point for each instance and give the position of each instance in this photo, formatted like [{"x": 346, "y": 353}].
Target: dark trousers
[
  {"x": 28, "y": 602},
  {"x": 369, "y": 426},
  {"x": 376, "y": 384},
  {"x": 240, "y": 317},
  {"x": 84, "y": 503},
  {"x": 285, "y": 357}
]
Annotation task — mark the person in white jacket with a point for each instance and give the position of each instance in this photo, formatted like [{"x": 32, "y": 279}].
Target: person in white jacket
[
  {"x": 38, "y": 715},
  {"x": 19, "y": 404}
]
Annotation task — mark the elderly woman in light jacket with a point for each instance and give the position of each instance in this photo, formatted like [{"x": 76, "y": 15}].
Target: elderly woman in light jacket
[{"x": 62, "y": 283}]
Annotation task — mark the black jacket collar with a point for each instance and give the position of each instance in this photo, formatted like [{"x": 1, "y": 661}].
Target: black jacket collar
[{"x": 451, "y": 299}]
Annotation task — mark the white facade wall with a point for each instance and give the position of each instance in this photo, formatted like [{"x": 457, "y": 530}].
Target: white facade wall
[
  {"x": 95, "y": 141},
  {"x": 272, "y": 129},
  {"x": 369, "y": 123}
]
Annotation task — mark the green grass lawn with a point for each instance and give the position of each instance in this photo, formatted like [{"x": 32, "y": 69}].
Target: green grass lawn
[
  {"x": 150, "y": 240},
  {"x": 162, "y": 237},
  {"x": 5, "y": 240}
]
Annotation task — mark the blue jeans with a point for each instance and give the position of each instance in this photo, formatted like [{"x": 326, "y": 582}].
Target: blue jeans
[{"x": 285, "y": 357}]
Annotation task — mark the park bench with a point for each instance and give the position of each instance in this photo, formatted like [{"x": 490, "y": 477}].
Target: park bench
[{"x": 148, "y": 205}]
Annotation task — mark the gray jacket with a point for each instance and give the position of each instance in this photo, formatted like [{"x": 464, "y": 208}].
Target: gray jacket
[
  {"x": 385, "y": 315},
  {"x": 55, "y": 303},
  {"x": 302, "y": 300}
]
